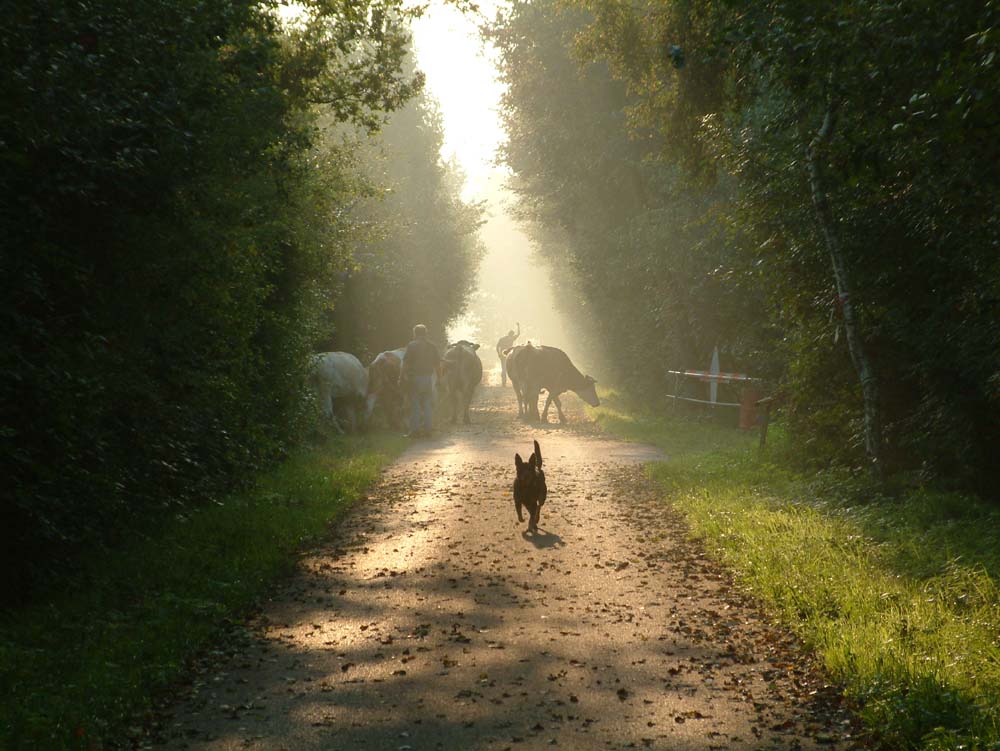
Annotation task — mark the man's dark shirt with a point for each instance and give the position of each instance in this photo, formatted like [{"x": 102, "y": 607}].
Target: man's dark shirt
[{"x": 421, "y": 358}]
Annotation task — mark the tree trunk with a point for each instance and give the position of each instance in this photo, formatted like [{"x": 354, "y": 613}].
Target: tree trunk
[{"x": 862, "y": 363}]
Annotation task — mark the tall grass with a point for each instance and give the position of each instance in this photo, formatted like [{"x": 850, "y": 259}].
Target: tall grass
[
  {"x": 895, "y": 591},
  {"x": 77, "y": 669}
]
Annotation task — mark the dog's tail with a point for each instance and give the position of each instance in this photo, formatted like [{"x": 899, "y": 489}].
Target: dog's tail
[{"x": 538, "y": 454}]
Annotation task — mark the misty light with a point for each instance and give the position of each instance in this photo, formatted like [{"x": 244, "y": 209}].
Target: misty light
[{"x": 513, "y": 285}]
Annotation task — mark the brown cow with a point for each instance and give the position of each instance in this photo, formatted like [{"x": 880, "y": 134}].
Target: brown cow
[
  {"x": 461, "y": 372},
  {"x": 550, "y": 369},
  {"x": 383, "y": 386}
]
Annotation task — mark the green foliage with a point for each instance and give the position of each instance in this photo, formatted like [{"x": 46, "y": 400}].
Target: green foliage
[
  {"x": 81, "y": 668},
  {"x": 646, "y": 246},
  {"x": 895, "y": 591},
  {"x": 923, "y": 257},
  {"x": 681, "y": 204},
  {"x": 177, "y": 223},
  {"x": 418, "y": 259}
]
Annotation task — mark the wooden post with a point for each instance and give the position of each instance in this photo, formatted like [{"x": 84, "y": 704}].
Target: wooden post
[{"x": 766, "y": 403}]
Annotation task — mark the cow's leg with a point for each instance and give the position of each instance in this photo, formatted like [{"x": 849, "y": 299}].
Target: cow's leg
[
  {"x": 522, "y": 399},
  {"x": 325, "y": 401},
  {"x": 562, "y": 417},
  {"x": 531, "y": 392},
  {"x": 548, "y": 403}
]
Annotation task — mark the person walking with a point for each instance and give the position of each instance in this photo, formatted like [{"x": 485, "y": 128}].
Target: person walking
[
  {"x": 421, "y": 363},
  {"x": 506, "y": 342}
]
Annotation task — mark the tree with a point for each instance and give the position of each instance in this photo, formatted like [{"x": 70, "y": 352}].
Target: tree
[
  {"x": 645, "y": 240},
  {"x": 721, "y": 102},
  {"x": 418, "y": 258},
  {"x": 160, "y": 276},
  {"x": 862, "y": 363}
]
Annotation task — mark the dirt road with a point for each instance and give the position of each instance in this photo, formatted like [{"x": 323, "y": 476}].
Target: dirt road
[{"x": 432, "y": 620}]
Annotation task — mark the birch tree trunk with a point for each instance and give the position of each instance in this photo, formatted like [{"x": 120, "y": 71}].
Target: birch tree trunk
[{"x": 862, "y": 364}]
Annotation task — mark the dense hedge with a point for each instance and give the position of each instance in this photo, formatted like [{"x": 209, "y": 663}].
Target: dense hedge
[
  {"x": 177, "y": 219},
  {"x": 681, "y": 199}
]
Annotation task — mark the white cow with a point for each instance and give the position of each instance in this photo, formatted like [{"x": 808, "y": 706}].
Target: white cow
[{"x": 341, "y": 383}]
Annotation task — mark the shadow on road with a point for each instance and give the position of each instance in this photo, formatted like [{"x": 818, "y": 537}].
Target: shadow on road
[
  {"x": 432, "y": 621},
  {"x": 544, "y": 539}
]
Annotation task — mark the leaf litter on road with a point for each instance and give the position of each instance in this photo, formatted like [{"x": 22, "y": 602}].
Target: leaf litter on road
[{"x": 432, "y": 620}]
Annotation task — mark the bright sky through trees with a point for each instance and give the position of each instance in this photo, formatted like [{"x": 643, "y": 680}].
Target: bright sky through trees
[{"x": 462, "y": 75}]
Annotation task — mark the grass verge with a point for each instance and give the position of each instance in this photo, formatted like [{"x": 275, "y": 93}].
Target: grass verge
[
  {"x": 895, "y": 591},
  {"x": 78, "y": 670}
]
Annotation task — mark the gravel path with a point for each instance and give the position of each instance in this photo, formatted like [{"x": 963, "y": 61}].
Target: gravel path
[{"x": 432, "y": 620}]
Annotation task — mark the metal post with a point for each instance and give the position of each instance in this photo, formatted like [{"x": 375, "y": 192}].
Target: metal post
[{"x": 713, "y": 382}]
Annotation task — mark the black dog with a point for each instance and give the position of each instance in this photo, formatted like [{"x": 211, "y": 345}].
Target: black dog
[{"x": 529, "y": 487}]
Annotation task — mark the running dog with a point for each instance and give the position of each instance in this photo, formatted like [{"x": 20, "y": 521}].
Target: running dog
[{"x": 529, "y": 487}]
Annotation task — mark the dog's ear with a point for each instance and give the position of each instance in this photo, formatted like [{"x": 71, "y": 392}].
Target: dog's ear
[
  {"x": 518, "y": 461},
  {"x": 532, "y": 461},
  {"x": 538, "y": 453}
]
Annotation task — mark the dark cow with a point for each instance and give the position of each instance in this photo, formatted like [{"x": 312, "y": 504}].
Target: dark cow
[
  {"x": 383, "y": 386},
  {"x": 461, "y": 372},
  {"x": 550, "y": 369},
  {"x": 513, "y": 367}
]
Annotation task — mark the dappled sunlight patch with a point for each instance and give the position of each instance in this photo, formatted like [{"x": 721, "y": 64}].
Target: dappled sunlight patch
[{"x": 431, "y": 618}]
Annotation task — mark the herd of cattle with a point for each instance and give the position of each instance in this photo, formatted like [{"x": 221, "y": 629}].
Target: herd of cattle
[{"x": 346, "y": 389}]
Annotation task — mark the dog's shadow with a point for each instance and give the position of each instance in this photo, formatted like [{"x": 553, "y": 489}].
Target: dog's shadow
[{"x": 543, "y": 539}]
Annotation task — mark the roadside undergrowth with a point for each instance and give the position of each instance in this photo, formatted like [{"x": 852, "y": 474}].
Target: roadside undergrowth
[
  {"x": 82, "y": 669},
  {"x": 895, "y": 591}
]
